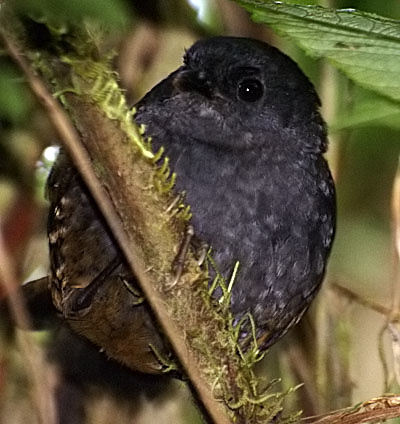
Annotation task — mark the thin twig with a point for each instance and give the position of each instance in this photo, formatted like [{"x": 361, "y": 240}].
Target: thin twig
[
  {"x": 371, "y": 411},
  {"x": 42, "y": 392},
  {"x": 368, "y": 303}
]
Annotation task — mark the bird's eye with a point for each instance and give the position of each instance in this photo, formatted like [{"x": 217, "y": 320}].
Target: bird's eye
[{"x": 250, "y": 90}]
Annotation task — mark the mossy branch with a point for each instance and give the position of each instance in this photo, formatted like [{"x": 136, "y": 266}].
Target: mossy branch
[{"x": 134, "y": 194}]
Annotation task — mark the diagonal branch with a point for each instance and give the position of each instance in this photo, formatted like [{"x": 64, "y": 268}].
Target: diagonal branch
[{"x": 107, "y": 145}]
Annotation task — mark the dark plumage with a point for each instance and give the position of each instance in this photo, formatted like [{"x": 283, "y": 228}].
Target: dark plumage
[{"x": 240, "y": 124}]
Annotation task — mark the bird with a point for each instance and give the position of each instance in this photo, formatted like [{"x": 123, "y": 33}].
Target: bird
[{"x": 241, "y": 126}]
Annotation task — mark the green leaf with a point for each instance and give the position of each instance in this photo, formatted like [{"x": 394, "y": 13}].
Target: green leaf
[
  {"x": 369, "y": 110},
  {"x": 365, "y": 46}
]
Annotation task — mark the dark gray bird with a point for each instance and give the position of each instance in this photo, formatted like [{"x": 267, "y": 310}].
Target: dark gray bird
[{"x": 240, "y": 123}]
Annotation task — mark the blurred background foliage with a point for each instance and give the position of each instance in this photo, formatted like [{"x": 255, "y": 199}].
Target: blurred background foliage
[{"x": 342, "y": 351}]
